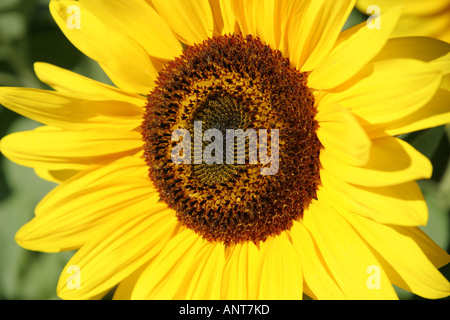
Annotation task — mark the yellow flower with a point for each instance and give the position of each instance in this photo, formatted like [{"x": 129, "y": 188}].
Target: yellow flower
[
  {"x": 339, "y": 219},
  {"x": 419, "y": 18}
]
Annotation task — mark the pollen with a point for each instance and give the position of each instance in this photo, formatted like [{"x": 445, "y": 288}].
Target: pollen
[{"x": 257, "y": 185}]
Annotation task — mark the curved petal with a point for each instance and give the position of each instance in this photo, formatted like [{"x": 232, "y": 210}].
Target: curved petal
[
  {"x": 280, "y": 270},
  {"x": 224, "y": 21},
  {"x": 392, "y": 161},
  {"x": 419, "y": 48},
  {"x": 124, "y": 61},
  {"x": 315, "y": 271},
  {"x": 118, "y": 251},
  {"x": 266, "y": 19},
  {"x": 433, "y": 114},
  {"x": 244, "y": 13},
  {"x": 395, "y": 88},
  {"x": 179, "y": 265},
  {"x": 68, "y": 215},
  {"x": 191, "y": 21},
  {"x": 411, "y": 6},
  {"x": 73, "y": 111},
  {"x": 314, "y": 30},
  {"x": 270, "y": 270},
  {"x": 66, "y": 81},
  {"x": 442, "y": 64},
  {"x": 445, "y": 85},
  {"x": 347, "y": 256},
  {"x": 140, "y": 22},
  {"x": 126, "y": 286},
  {"x": 436, "y": 25},
  {"x": 401, "y": 204},
  {"x": 57, "y": 176},
  {"x": 405, "y": 257},
  {"x": 200, "y": 286},
  {"x": 342, "y": 136},
  {"x": 230, "y": 24},
  {"x": 56, "y": 149},
  {"x": 354, "y": 49},
  {"x": 241, "y": 265}
]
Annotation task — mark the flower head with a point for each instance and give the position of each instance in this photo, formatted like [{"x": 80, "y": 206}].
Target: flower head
[{"x": 313, "y": 196}]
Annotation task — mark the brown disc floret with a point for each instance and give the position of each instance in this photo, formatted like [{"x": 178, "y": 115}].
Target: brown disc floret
[{"x": 232, "y": 82}]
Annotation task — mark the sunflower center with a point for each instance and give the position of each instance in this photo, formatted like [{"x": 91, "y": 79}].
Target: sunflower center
[
  {"x": 220, "y": 113},
  {"x": 230, "y": 140}
]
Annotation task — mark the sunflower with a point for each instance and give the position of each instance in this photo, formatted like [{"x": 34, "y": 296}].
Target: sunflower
[
  {"x": 335, "y": 218},
  {"x": 419, "y": 18}
]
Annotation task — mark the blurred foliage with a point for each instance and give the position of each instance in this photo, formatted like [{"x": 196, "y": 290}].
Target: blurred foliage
[{"x": 28, "y": 34}]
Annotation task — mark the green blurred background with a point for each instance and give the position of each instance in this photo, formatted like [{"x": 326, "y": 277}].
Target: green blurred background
[{"x": 27, "y": 35}]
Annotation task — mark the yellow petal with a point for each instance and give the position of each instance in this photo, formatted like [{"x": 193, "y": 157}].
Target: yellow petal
[
  {"x": 67, "y": 216},
  {"x": 181, "y": 261},
  {"x": 126, "y": 286},
  {"x": 66, "y": 81},
  {"x": 230, "y": 24},
  {"x": 266, "y": 19},
  {"x": 271, "y": 270},
  {"x": 437, "y": 256},
  {"x": 395, "y": 88},
  {"x": 56, "y": 149},
  {"x": 244, "y": 13},
  {"x": 240, "y": 266},
  {"x": 315, "y": 271},
  {"x": 405, "y": 256},
  {"x": 117, "y": 252},
  {"x": 401, "y": 204},
  {"x": 57, "y": 176},
  {"x": 435, "y": 25},
  {"x": 411, "y": 6},
  {"x": 191, "y": 21},
  {"x": 442, "y": 64},
  {"x": 205, "y": 281},
  {"x": 392, "y": 161},
  {"x": 419, "y": 48},
  {"x": 71, "y": 110},
  {"x": 342, "y": 135},
  {"x": 124, "y": 61},
  {"x": 280, "y": 270},
  {"x": 346, "y": 254},
  {"x": 445, "y": 85},
  {"x": 354, "y": 49},
  {"x": 140, "y": 22},
  {"x": 314, "y": 31},
  {"x": 433, "y": 114}
]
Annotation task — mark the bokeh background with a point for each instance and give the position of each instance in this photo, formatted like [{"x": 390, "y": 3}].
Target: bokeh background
[{"x": 27, "y": 35}]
